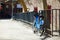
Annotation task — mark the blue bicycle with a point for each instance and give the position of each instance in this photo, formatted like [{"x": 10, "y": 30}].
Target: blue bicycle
[{"x": 38, "y": 25}]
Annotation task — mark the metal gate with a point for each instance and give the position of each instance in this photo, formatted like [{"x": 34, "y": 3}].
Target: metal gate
[
  {"x": 55, "y": 22},
  {"x": 52, "y": 21}
]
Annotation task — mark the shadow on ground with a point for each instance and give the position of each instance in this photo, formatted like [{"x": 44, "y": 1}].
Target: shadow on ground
[{"x": 45, "y": 37}]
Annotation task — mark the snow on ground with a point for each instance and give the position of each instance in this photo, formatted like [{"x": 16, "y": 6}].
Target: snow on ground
[{"x": 15, "y": 30}]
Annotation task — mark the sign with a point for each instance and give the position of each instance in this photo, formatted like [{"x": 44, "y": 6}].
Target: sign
[{"x": 19, "y": 6}]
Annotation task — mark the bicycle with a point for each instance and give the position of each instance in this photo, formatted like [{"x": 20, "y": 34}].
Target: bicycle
[{"x": 38, "y": 27}]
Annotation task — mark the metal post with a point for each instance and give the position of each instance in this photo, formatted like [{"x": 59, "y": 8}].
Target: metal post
[
  {"x": 12, "y": 9},
  {"x": 56, "y": 20},
  {"x": 59, "y": 22},
  {"x": 52, "y": 22}
]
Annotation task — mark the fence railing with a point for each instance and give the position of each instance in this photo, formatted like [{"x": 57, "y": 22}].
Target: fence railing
[
  {"x": 28, "y": 16},
  {"x": 51, "y": 18}
]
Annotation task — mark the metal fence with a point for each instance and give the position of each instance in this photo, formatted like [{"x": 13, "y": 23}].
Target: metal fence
[
  {"x": 51, "y": 18},
  {"x": 55, "y": 22},
  {"x": 28, "y": 16}
]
